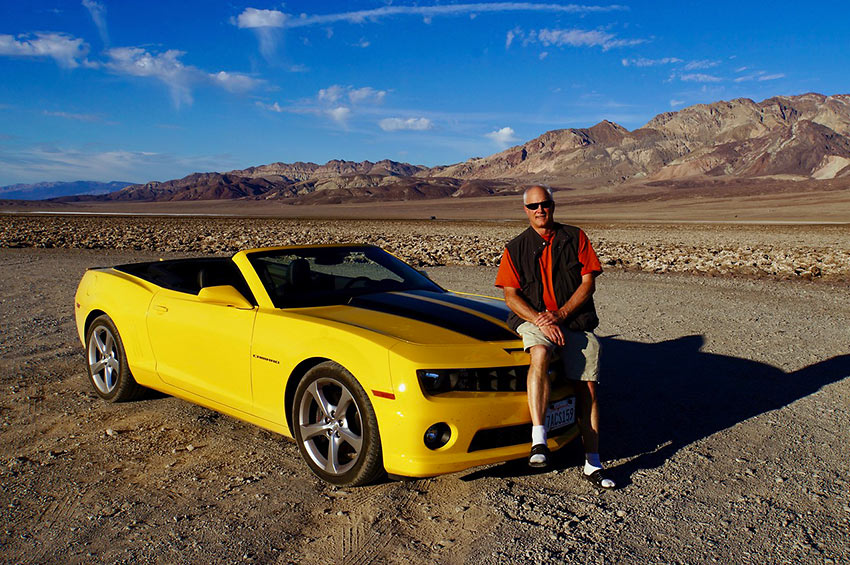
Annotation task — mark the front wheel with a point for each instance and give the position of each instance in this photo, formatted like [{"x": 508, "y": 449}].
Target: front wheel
[
  {"x": 108, "y": 371},
  {"x": 335, "y": 427}
]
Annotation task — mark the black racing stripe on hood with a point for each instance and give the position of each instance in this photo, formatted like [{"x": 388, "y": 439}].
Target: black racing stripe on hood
[
  {"x": 435, "y": 314},
  {"x": 493, "y": 308}
]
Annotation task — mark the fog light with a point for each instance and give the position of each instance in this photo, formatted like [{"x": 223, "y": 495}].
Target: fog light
[{"x": 437, "y": 435}]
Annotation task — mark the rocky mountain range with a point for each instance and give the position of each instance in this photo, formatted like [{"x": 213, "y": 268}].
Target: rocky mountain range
[{"x": 805, "y": 137}]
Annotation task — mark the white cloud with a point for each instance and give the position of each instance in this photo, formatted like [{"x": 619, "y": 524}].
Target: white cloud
[
  {"x": 340, "y": 114},
  {"x": 252, "y": 17},
  {"x": 367, "y": 93},
  {"x": 573, "y": 38},
  {"x": 340, "y": 102},
  {"x": 363, "y": 43},
  {"x": 98, "y": 16},
  {"x": 72, "y": 116},
  {"x": 750, "y": 76},
  {"x": 543, "y": 55},
  {"x": 642, "y": 62},
  {"x": 70, "y": 163},
  {"x": 179, "y": 78},
  {"x": 503, "y": 137},
  {"x": 758, "y": 75},
  {"x": 235, "y": 82},
  {"x": 674, "y": 102},
  {"x": 699, "y": 77},
  {"x": 412, "y": 124},
  {"x": 703, "y": 64},
  {"x": 265, "y": 24},
  {"x": 164, "y": 67},
  {"x": 271, "y": 107},
  {"x": 509, "y": 38},
  {"x": 331, "y": 94},
  {"x": 68, "y": 52}
]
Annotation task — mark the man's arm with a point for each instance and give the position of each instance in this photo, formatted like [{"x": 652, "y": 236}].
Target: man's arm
[
  {"x": 520, "y": 307},
  {"x": 581, "y": 295},
  {"x": 516, "y": 302}
]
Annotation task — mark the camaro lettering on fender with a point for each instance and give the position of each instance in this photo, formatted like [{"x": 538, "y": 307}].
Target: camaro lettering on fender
[{"x": 266, "y": 359}]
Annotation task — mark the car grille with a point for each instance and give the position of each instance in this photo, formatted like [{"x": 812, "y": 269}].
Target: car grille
[
  {"x": 491, "y": 379},
  {"x": 507, "y": 436}
]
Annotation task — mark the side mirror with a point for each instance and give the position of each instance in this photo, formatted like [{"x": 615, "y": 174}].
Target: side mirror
[{"x": 224, "y": 295}]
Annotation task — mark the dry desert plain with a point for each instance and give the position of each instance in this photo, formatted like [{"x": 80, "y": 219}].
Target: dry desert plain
[{"x": 725, "y": 393}]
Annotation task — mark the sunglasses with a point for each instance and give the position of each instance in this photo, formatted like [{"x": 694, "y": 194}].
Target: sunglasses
[{"x": 545, "y": 204}]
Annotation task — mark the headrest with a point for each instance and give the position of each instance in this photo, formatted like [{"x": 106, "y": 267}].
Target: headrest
[{"x": 299, "y": 273}]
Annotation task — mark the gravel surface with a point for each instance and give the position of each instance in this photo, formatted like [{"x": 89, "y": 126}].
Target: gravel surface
[
  {"x": 725, "y": 421},
  {"x": 761, "y": 251}
]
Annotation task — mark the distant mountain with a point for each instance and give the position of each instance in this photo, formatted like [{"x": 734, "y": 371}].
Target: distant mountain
[
  {"x": 805, "y": 136},
  {"x": 335, "y": 181},
  {"x": 44, "y": 190},
  {"x": 785, "y": 137}
]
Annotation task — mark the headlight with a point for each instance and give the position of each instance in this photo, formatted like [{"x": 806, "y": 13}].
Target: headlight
[{"x": 494, "y": 379}]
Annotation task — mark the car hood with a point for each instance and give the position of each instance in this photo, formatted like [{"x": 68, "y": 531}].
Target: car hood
[{"x": 425, "y": 317}]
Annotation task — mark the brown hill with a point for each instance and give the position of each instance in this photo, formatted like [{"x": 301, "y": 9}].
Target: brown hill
[
  {"x": 805, "y": 136},
  {"x": 790, "y": 137}
]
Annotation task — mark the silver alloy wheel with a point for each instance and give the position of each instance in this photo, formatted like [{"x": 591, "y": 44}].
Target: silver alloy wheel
[
  {"x": 103, "y": 359},
  {"x": 330, "y": 425}
]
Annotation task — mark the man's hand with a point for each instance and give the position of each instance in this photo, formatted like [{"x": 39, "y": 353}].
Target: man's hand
[
  {"x": 554, "y": 333},
  {"x": 547, "y": 318}
]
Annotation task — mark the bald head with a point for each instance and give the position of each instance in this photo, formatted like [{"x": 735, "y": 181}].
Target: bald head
[{"x": 537, "y": 187}]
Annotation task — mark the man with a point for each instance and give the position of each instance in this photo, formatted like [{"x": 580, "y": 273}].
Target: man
[{"x": 547, "y": 273}]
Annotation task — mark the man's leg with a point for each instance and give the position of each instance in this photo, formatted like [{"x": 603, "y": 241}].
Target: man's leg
[
  {"x": 538, "y": 384},
  {"x": 538, "y": 401},
  {"x": 588, "y": 415},
  {"x": 588, "y": 424}
]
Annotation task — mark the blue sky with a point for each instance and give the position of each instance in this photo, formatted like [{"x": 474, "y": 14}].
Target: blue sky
[{"x": 143, "y": 90}]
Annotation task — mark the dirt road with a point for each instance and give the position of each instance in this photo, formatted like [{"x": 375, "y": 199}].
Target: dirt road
[{"x": 725, "y": 422}]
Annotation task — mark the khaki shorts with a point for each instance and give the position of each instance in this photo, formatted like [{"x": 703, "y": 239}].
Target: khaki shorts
[{"x": 580, "y": 353}]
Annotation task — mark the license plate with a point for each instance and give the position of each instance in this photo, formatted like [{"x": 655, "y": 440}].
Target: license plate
[{"x": 561, "y": 414}]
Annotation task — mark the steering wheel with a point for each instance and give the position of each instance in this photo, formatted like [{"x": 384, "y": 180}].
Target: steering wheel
[{"x": 355, "y": 281}]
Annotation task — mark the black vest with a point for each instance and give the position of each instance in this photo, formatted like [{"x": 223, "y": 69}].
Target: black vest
[{"x": 525, "y": 251}]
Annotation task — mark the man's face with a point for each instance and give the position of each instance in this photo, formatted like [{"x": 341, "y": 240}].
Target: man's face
[{"x": 542, "y": 217}]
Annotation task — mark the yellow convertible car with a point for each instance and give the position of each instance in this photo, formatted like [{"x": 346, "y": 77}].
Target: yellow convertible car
[{"x": 369, "y": 365}]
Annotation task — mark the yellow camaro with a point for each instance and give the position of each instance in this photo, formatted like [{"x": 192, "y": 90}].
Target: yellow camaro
[{"x": 369, "y": 365}]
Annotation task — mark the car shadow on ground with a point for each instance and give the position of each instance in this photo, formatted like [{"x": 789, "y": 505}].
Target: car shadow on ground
[{"x": 657, "y": 398}]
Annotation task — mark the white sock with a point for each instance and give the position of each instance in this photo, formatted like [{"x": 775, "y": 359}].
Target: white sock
[
  {"x": 538, "y": 435},
  {"x": 592, "y": 463}
]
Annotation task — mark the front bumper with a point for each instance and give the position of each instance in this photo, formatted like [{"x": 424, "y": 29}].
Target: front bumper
[{"x": 486, "y": 427}]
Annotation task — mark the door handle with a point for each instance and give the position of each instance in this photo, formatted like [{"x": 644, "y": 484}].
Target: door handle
[{"x": 160, "y": 308}]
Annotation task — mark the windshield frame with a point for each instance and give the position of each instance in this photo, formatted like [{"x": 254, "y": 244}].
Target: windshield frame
[{"x": 283, "y": 298}]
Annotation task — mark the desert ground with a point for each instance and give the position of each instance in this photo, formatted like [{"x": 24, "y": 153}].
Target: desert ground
[{"x": 725, "y": 393}]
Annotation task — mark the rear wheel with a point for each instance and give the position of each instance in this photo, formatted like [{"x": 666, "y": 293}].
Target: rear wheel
[
  {"x": 335, "y": 426},
  {"x": 108, "y": 371}
]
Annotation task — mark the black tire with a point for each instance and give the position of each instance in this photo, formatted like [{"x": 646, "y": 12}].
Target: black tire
[
  {"x": 106, "y": 360},
  {"x": 342, "y": 449}
]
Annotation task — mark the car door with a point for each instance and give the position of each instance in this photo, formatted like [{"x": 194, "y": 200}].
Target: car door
[{"x": 203, "y": 348}]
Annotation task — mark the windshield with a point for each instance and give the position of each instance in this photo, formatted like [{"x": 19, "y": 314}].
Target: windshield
[{"x": 322, "y": 276}]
